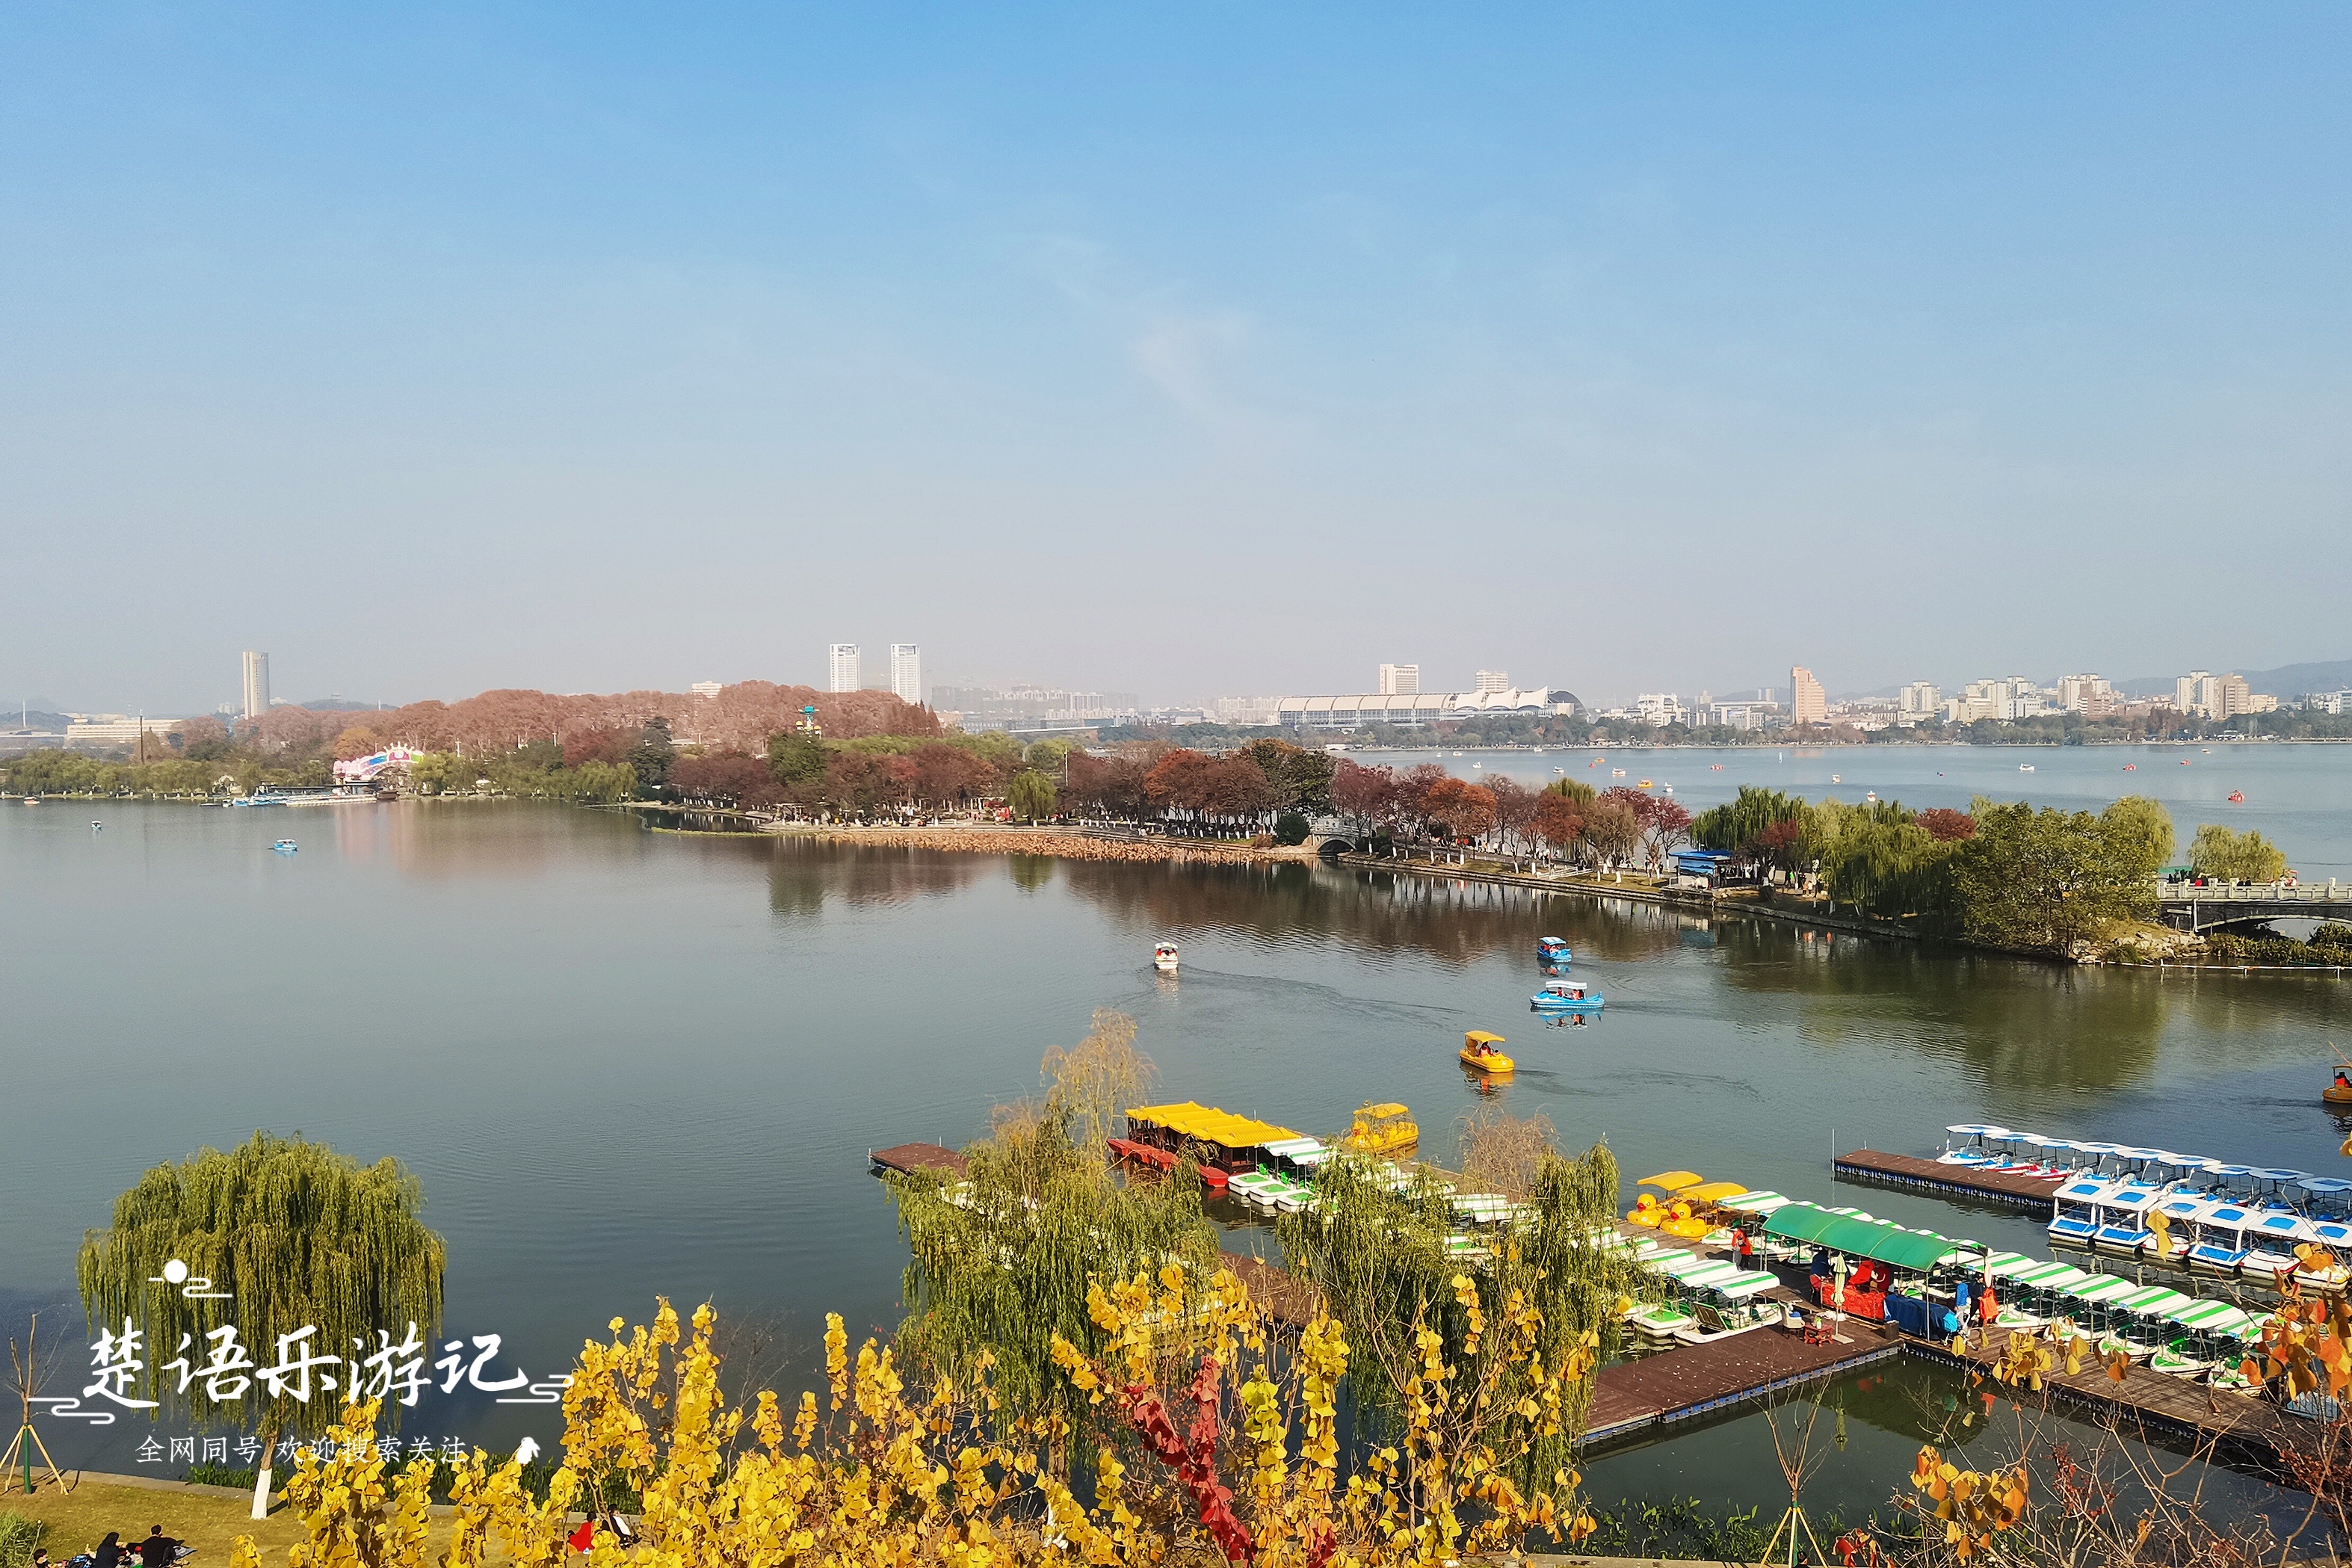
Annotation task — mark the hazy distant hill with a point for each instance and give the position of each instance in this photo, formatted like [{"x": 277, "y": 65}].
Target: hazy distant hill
[
  {"x": 2287, "y": 682},
  {"x": 34, "y": 720}
]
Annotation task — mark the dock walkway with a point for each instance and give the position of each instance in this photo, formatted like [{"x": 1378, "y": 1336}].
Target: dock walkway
[
  {"x": 1691, "y": 1381},
  {"x": 1878, "y": 1168},
  {"x": 2243, "y": 1429}
]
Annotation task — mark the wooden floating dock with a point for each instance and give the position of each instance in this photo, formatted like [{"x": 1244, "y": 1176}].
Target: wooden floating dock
[
  {"x": 2241, "y": 1429},
  {"x": 907, "y": 1158},
  {"x": 1880, "y": 1169},
  {"x": 1691, "y": 1381}
]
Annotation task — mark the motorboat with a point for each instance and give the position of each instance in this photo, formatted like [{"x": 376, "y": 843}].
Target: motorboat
[
  {"x": 1163, "y": 958},
  {"x": 1552, "y": 950},
  {"x": 1566, "y": 997},
  {"x": 1479, "y": 1053},
  {"x": 286, "y": 847}
]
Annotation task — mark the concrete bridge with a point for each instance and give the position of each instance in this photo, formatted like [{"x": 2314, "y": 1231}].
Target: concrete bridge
[{"x": 2193, "y": 909}]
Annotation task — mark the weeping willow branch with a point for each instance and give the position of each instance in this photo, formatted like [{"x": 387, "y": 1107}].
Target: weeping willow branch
[
  {"x": 293, "y": 1235},
  {"x": 1001, "y": 1261},
  {"x": 1382, "y": 1261}
]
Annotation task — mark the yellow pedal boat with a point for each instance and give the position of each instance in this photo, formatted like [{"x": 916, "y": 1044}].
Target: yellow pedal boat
[
  {"x": 1479, "y": 1053},
  {"x": 1382, "y": 1129}
]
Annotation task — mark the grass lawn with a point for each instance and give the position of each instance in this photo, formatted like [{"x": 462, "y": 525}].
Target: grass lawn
[{"x": 78, "y": 1519}]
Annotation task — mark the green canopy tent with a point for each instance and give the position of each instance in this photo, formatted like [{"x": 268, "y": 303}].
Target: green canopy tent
[{"x": 1913, "y": 1251}]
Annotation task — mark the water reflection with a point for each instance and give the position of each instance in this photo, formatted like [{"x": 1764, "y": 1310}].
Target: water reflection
[
  {"x": 1375, "y": 911},
  {"x": 803, "y": 873},
  {"x": 2015, "y": 1022}
]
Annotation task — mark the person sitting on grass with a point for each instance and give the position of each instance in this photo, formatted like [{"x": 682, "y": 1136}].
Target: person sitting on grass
[{"x": 158, "y": 1550}]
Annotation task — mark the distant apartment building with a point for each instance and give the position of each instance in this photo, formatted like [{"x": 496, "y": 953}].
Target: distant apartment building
[
  {"x": 2012, "y": 699},
  {"x": 2196, "y": 694},
  {"x": 2234, "y": 694},
  {"x": 1808, "y": 704},
  {"x": 257, "y": 684},
  {"x": 2086, "y": 694},
  {"x": 907, "y": 671},
  {"x": 1744, "y": 714},
  {"x": 1919, "y": 700},
  {"x": 1661, "y": 708},
  {"x": 1486, "y": 683},
  {"x": 1400, "y": 680},
  {"x": 2336, "y": 702},
  {"x": 1248, "y": 710},
  {"x": 1032, "y": 708},
  {"x": 706, "y": 689},
  {"x": 842, "y": 668},
  {"x": 116, "y": 729}
]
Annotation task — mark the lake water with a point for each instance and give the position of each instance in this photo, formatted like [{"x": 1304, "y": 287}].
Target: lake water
[{"x": 626, "y": 1063}]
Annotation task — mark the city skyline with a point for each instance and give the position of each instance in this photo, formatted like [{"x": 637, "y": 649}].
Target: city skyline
[
  {"x": 904, "y": 673},
  {"x": 475, "y": 304}
]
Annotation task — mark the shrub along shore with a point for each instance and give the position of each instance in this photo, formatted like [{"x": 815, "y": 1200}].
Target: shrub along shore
[{"x": 1062, "y": 844}]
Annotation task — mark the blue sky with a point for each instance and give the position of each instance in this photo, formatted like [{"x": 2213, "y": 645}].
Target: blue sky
[{"x": 1193, "y": 350}]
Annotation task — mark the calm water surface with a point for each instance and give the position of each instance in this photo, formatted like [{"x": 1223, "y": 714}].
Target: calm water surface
[{"x": 626, "y": 1063}]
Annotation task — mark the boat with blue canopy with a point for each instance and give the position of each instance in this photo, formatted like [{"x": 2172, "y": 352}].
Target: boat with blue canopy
[{"x": 1566, "y": 997}]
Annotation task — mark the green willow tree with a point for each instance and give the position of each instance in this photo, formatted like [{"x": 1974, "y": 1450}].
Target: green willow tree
[
  {"x": 1380, "y": 1260},
  {"x": 1031, "y": 795},
  {"x": 2223, "y": 856},
  {"x": 1739, "y": 824},
  {"x": 1003, "y": 1259},
  {"x": 292, "y": 1235}
]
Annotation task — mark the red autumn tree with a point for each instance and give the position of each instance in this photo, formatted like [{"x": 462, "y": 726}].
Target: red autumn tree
[
  {"x": 1559, "y": 824},
  {"x": 727, "y": 778},
  {"x": 1466, "y": 810},
  {"x": 1368, "y": 795},
  {"x": 1112, "y": 785},
  {"x": 1945, "y": 826},
  {"x": 1515, "y": 808},
  {"x": 948, "y": 775}
]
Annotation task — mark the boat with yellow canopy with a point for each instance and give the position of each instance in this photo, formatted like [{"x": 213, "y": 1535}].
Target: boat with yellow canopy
[
  {"x": 1479, "y": 1053},
  {"x": 1386, "y": 1129},
  {"x": 1651, "y": 1208},
  {"x": 1690, "y": 1210}
]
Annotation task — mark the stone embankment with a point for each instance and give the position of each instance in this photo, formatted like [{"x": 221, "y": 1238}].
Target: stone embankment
[{"x": 1063, "y": 844}]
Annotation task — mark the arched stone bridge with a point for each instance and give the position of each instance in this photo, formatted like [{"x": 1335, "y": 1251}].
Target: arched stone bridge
[{"x": 2193, "y": 909}]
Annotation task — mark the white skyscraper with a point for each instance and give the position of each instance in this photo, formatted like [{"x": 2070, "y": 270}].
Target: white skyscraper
[
  {"x": 257, "y": 684},
  {"x": 907, "y": 671},
  {"x": 1493, "y": 680},
  {"x": 1400, "y": 680},
  {"x": 842, "y": 669}
]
